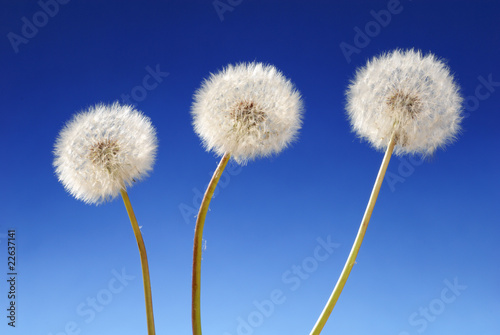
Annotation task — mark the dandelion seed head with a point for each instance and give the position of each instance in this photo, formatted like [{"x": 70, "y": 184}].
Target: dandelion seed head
[
  {"x": 249, "y": 110},
  {"x": 104, "y": 149},
  {"x": 404, "y": 92}
]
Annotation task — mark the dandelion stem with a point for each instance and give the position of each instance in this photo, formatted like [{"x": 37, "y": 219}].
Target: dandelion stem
[
  {"x": 144, "y": 263},
  {"x": 357, "y": 242},
  {"x": 198, "y": 236}
]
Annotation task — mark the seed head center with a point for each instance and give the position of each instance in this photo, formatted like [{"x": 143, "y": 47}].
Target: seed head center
[
  {"x": 247, "y": 114},
  {"x": 410, "y": 105},
  {"x": 103, "y": 154}
]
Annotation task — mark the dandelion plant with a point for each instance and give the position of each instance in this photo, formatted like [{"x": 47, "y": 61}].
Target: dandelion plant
[
  {"x": 401, "y": 102},
  {"x": 98, "y": 154},
  {"x": 244, "y": 112}
]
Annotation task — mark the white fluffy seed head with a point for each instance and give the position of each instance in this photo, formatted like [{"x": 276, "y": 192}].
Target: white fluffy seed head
[
  {"x": 249, "y": 110},
  {"x": 408, "y": 93},
  {"x": 104, "y": 149}
]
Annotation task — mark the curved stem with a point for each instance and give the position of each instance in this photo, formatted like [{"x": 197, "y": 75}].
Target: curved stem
[
  {"x": 198, "y": 236},
  {"x": 144, "y": 263},
  {"x": 357, "y": 242}
]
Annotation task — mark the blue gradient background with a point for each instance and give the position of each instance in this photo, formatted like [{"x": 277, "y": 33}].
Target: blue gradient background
[{"x": 440, "y": 224}]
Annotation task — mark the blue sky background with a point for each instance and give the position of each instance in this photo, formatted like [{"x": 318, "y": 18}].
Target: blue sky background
[{"x": 435, "y": 226}]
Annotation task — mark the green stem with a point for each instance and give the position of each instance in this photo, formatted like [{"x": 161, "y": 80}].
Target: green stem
[
  {"x": 144, "y": 263},
  {"x": 198, "y": 237},
  {"x": 357, "y": 242}
]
